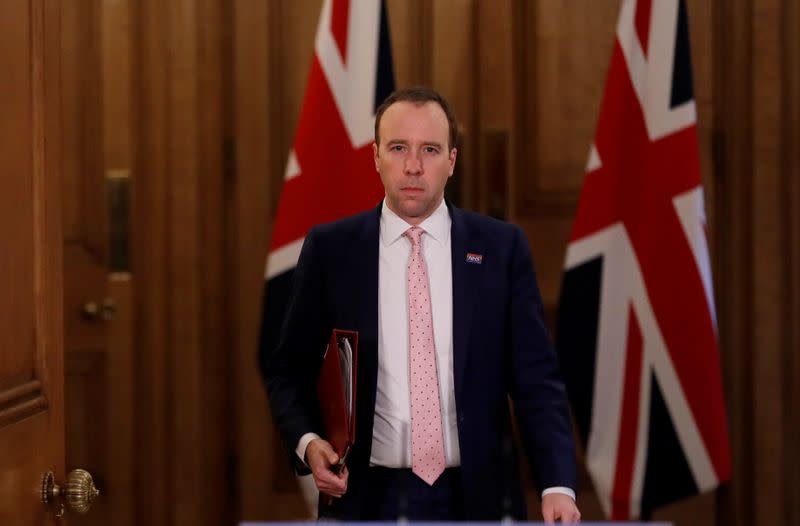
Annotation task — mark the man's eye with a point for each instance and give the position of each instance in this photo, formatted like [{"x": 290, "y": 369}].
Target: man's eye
[
  {"x": 431, "y": 149},
  {"x": 396, "y": 148}
]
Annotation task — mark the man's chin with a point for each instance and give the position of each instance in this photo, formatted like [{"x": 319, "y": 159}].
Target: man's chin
[{"x": 415, "y": 212}]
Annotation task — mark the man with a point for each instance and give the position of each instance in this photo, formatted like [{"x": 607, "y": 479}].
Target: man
[{"x": 450, "y": 325}]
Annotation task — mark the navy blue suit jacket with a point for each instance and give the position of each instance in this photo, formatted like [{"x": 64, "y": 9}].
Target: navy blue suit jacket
[{"x": 501, "y": 348}]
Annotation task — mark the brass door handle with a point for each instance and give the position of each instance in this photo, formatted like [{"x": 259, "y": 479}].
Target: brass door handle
[
  {"x": 79, "y": 492},
  {"x": 104, "y": 311}
]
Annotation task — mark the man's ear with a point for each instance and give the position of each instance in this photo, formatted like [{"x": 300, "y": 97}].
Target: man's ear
[
  {"x": 375, "y": 154},
  {"x": 453, "y": 155}
]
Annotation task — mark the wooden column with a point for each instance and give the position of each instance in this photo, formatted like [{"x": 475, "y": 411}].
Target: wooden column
[
  {"x": 183, "y": 373},
  {"x": 757, "y": 129}
]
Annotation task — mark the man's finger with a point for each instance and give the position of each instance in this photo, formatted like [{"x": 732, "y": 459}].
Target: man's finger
[
  {"x": 330, "y": 478},
  {"x": 548, "y": 514},
  {"x": 327, "y": 490}
]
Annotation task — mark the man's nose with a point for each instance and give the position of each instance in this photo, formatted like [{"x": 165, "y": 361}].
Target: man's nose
[{"x": 413, "y": 164}]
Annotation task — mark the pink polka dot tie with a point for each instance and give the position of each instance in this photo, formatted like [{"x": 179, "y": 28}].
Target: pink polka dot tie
[{"x": 427, "y": 443}]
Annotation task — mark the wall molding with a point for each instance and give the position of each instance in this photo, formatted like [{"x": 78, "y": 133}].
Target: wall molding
[{"x": 20, "y": 402}]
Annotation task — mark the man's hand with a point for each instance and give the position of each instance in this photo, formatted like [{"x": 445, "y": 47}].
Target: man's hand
[
  {"x": 320, "y": 457},
  {"x": 557, "y": 506}
]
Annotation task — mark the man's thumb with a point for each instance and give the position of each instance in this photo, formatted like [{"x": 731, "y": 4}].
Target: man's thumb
[{"x": 333, "y": 458}]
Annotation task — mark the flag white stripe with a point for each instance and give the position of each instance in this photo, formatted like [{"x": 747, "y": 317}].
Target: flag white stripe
[
  {"x": 292, "y": 166},
  {"x": 352, "y": 83},
  {"x": 594, "y": 160},
  {"x": 283, "y": 259},
  {"x": 651, "y": 75},
  {"x": 690, "y": 210},
  {"x": 601, "y": 449}
]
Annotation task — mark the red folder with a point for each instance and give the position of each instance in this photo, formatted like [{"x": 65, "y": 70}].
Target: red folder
[{"x": 337, "y": 378}]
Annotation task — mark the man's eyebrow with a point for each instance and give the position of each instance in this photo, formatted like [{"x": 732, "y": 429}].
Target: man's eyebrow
[{"x": 432, "y": 143}]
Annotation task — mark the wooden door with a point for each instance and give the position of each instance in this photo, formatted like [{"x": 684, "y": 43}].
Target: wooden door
[
  {"x": 31, "y": 359},
  {"x": 97, "y": 285}
]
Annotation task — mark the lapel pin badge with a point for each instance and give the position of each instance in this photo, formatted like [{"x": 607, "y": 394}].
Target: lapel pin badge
[{"x": 474, "y": 258}]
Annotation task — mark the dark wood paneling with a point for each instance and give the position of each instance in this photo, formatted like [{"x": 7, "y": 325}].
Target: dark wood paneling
[
  {"x": 31, "y": 335},
  {"x": 253, "y": 92},
  {"x": 732, "y": 91},
  {"x": 757, "y": 126},
  {"x": 183, "y": 377},
  {"x": 791, "y": 172},
  {"x": 21, "y": 401},
  {"x": 149, "y": 252},
  {"x": 562, "y": 60},
  {"x": 17, "y": 155},
  {"x": 87, "y": 413}
]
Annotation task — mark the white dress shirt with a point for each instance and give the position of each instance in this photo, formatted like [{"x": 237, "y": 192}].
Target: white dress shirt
[{"x": 391, "y": 431}]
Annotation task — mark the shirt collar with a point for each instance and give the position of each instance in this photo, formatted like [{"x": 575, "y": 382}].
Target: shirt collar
[{"x": 437, "y": 225}]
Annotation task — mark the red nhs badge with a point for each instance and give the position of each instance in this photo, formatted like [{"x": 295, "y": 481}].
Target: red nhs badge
[{"x": 474, "y": 258}]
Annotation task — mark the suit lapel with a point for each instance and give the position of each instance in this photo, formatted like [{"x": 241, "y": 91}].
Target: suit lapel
[
  {"x": 363, "y": 263},
  {"x": 467, "y": 279}
]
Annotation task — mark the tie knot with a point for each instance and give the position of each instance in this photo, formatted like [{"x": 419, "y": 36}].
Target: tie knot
[{"x": 414, "y": 234}]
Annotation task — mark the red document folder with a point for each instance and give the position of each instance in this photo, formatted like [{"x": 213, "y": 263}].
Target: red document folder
[{"x": 336, "y": 389}]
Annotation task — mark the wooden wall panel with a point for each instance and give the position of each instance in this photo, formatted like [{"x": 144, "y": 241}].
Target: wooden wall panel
[
  {"x": 20, "y": 150},
  {"x": 402, "y": 21},
  {"x": 561, "y": 57},
  {"x": 568, "y": 50},
  {"x": 31, "y": 357},
  {"x": 214, "y": 113},
  {"x": 95, "y": 95},
  {"x": 495, "y": 105},
  {"x": 452, "y": 70},
  {"x": 183, "y": 376},
  {"x": 253, "y": 90},
  {"x": 766, "y": 220},
  {"x": 732, "y": 262},
  {"x": 757, "y": 121},
  {"x": 791, "y": 199},
  {"x": 185, "y": 439},
  {"x": 149, "y": 251}
]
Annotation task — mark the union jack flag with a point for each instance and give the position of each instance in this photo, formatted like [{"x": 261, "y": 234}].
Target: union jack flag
[
  {"x": 637, "y": 326},
  {"x": 330, "y": 172}
]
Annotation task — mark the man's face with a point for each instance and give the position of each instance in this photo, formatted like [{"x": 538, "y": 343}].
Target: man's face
[{"x": 413, "y": 158}]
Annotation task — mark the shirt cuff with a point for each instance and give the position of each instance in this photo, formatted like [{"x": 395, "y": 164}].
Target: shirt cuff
[
  {"x": 302, "y": 445},
  {"x": 555, "y": 489}
]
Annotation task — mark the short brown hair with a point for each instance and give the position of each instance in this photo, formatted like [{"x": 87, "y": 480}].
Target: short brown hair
[{"x": 419, "y": 95}]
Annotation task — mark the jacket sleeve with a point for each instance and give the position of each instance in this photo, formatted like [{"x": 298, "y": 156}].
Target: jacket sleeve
[
  {"x": 536, "y": 386},
  {"x": 291, "y": 371}
]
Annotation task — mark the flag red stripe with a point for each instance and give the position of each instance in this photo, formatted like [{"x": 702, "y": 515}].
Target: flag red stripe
[
  {"x": 642, "y": 21},
  {"x": 600, "y": 200},
  {"x": 339, "y": 23},
  {"x": 336, "y": 180}
]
